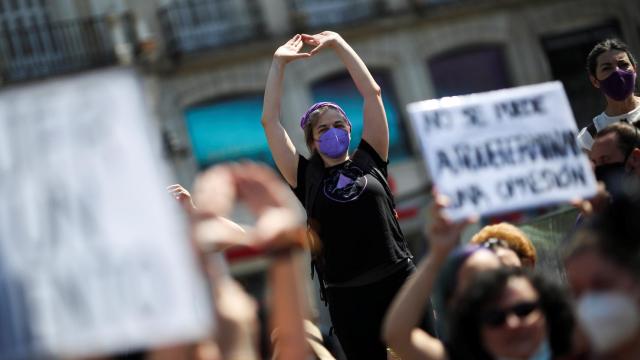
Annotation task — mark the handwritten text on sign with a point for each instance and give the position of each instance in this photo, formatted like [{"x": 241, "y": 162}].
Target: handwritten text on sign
[
  {"x": 503, "y": 150},
  {"x": 93, "y": 259}
]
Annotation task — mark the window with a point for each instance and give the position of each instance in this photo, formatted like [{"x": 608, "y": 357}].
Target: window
[
  {"x": 319, "y": 13},
  {"x": 567, "y": 55},
  {"x": 341, "y": 90},
  {"x": 198, "y": 25},
  {"x": 469, "y": 70},
  {"x": 228, "y": 129}
]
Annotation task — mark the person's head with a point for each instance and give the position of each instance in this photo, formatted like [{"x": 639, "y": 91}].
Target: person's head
[
  {"x": 617, "y": 145},
  {"x": 458, "y": 271},
  {"x": 460, "y": 268},
  {"x": 612, "y": 69},
  {"x": 510, "y": 244},
  {"x": 509, "y": 313},
  {"x": 615, "y": 156},
  {"x": 327, "y": 129},
  {"x": 603, "y": 270}
]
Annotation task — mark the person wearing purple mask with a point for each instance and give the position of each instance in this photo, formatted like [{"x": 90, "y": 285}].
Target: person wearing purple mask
[
  {"x": 363, "y": 258},
  {"x": 613, "y": 70}
]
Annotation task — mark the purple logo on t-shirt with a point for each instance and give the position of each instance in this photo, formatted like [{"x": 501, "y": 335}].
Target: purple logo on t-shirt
[{"x": 345, "y": 184}]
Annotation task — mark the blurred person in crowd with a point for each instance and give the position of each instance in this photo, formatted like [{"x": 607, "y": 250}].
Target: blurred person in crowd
[
  {"x": 603, "y": 270},
  {"x": 613, "y": 70},
  {"x": 512, "y": 245},
  {"x": 500, "y": 312},
  {"x": 510, "y": 313},
  {"x": 505, "y": 241},
  {"x": 457, "y": 272},
  {"x": 617, "y": 148},
  {"x": 615, "y": 157},
  {"x": 279, "y": 232},
  {"x": 363, "y": 258}
]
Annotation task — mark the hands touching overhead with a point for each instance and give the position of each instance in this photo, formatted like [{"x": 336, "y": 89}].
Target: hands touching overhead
[
  {"x": 291, "y": 50},
  {"x": 278, "y": 219},
  {"x": 278, "y": 229}
]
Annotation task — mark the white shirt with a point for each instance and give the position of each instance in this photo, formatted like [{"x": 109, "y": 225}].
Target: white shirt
[{"x": 585, "y": 140}]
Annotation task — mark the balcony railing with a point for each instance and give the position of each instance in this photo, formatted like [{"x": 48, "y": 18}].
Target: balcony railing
[
  {"x": 194, "y": 26},
  {"x": 314, "y": 14},
  {"x": 53, "y": 48}
]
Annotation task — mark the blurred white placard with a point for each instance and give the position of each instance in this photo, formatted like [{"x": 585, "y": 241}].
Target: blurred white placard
[
  {"x": 94, "y": 255},
  {"x": 503, "y": 150}
]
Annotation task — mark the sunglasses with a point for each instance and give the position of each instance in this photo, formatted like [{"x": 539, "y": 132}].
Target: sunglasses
[
  {"x": 497, "y": 317},
  {"x": 494, "y": 243}
]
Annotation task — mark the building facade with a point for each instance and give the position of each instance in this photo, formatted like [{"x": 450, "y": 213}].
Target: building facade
[
  {"x": 209, "y": 86},
  {"x": 205, "y": 64}
]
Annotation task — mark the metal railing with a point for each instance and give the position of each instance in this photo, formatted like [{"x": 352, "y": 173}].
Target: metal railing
[
  {"x": 549, "y": 234},
  {"x": 194, "y": 26},
  {"x": 53, "y": 48},
  {"x": 314, "y": 14}
]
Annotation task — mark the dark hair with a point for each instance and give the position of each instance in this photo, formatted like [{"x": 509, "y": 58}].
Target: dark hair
[
  {"x": 613, "y": 233},
  {"x": 628, "y": 135},
  {"x": 486, "y": 289},
  {"x": 602, "y": 47},
  {"x": 447, "y": 283}
]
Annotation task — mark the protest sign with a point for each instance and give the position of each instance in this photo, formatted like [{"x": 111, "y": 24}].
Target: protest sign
[
  {"x": 94, "y": 257},
  {"x": 503, "y": 150}
]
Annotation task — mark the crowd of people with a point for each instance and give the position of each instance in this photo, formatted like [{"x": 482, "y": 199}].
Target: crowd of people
[{"x": 477, "y": 298}]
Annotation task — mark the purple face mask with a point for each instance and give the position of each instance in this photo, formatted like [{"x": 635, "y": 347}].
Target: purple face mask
[
  {"x": 619, "y": 85},
  {"x": 334, "y": 143}
]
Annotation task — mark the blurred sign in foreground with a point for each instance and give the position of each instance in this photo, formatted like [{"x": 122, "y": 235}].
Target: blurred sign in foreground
[
  {"x": 503, "y": 150},
  {"x": 93, "y": 257}
]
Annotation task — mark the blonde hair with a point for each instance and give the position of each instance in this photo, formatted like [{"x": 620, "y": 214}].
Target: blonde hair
[{"x": 510, "y": 234}]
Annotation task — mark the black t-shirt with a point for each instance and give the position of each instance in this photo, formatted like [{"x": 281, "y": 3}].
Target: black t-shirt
[{"x": 355, "y": 219}]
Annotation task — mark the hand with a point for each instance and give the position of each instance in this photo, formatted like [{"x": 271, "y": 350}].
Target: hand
[
  {"x": 183, "y": 196},
  {"x": 272, "y": 203},
  {"x": 290, "y": 51},
  {"x": 596, "y": 204},
  {"x": 214, "y": 192},
  {"x": 218, "y": 190},
  {"x": 321, "y": 40},
  {"x": 443, "y": 234}
]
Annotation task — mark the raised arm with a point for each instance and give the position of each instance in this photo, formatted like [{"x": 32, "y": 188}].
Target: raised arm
[
  {"x": 283, "y": 151},
  {"x": 279, "y": 230},
  {"x": 375, "y": 130},
  {"x": 400, "y": 329},
  {"x": 212, "y": 231}
]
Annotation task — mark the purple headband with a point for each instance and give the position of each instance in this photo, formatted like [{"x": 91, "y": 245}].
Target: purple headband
[{"x": 304, "y": 120}]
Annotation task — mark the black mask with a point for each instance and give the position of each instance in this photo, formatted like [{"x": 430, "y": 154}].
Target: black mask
[{"x": 613, "y": 176}]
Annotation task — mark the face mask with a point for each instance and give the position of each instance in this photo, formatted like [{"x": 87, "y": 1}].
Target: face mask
[
  {"x": 614, "y": 176},
  {"x": 619, "y": 85},
  {"x": 608, "y": 318},
  {"x": 334, "y": 143}
]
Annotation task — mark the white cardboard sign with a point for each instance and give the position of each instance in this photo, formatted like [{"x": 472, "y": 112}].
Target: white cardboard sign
[
  {"x": 94, "y": 255},
  {"x": 503, "y": 150}
]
